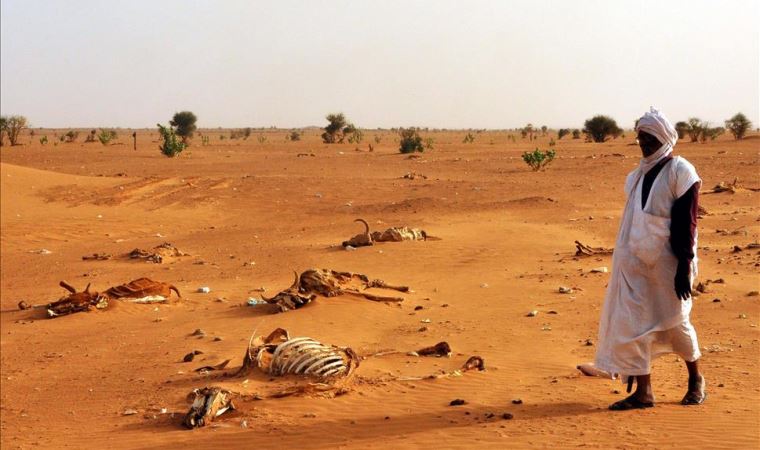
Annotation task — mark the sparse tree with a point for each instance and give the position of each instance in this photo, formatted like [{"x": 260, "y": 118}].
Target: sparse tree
[
  {"x": 170, "y": 145},
  {"x": 528, "y": 131},
  {"x": 184, "y": 125},
  {"x": 334, "y": 129},
  {"x": 600, "y": 127},
  {"x": 3, "y": 128},
  {"x": 682, "y": 128},
  {"x": 576, "y": 134},
  {"x": 738, "y": 125},
  {"x": 695, "y": 128},
  {"x": 562, "y": 133},
  {"x": 294, "y": 135},
  {"x": 543, "y": 130},
  {"x": 13, "y": 126}
]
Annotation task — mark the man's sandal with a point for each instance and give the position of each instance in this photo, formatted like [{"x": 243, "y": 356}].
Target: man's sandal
[
  {"x": 692, "y": 398},
  {"x": 630, "y": 403}
]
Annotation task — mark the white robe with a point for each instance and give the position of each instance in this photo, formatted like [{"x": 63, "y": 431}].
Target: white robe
[{"x": 642, "y": 318}]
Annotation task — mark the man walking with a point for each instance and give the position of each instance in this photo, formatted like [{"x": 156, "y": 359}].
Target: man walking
[{"x": 648, "y": 300}]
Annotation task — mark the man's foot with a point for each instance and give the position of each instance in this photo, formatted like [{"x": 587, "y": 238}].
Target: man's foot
[
  {"x": 631, "y": 402},
  {"x": 696, "y": 394}
]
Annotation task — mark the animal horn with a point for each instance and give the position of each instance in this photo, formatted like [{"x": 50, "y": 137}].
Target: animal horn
[
  {"x": 366, "y": 225},
  {"x": 296, "y": 281},
  {"x": 68, "y": 287},
  {"x": 87, "y": 289}
]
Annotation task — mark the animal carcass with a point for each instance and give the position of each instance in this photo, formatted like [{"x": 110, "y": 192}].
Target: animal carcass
[
  {"x": 329, "y": 283},
  {"x": 393, "y": 234}
]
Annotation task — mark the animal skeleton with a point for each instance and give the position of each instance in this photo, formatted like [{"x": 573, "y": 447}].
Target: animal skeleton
[
  {"x": 582, "y": 249},
  {"x": 157, "y": 253},
  {"x": 393, "y": 234},
  {"x": 278, "y": 354},
  {"x": 142, "y": 290},
  {"x": 329, "y": 283}
]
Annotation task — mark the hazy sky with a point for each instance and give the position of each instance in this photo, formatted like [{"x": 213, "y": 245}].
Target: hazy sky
[{"x": 454, "y": 64}]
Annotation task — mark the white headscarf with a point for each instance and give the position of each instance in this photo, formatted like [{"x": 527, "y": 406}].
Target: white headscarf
[{"x": 656, "y": 124}]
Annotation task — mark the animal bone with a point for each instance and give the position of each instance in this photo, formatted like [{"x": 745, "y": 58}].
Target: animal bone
[
  {"x": 584, "y": 250},
  {"x": 439, "y": 349},
  {"x": 208, "y": 404},
  {"x": 278, "y": 355},
  {"x": 329, "y": 283}
]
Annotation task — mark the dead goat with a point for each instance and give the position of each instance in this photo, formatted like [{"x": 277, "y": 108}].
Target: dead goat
[
  {"x": 142, "y": 290},
  {"x": 329, "y": 283},
  {"x": 393, "y": 234},
  {"x": 278, "y": 354}
]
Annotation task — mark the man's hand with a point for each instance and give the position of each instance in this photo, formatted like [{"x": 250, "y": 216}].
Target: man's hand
[{"x": 682, "y": 282}]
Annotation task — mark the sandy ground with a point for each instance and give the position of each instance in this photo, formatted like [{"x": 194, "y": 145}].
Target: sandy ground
[{"x": 506, "y": 246}]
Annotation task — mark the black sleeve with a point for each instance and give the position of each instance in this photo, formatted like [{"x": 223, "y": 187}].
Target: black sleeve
[{"x": 683, "y": 224}]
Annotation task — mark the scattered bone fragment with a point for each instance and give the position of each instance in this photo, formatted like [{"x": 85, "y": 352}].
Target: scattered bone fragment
[
  {"x": 157, "y": 254},
  {"x": 97, "y": 257},
  {"x": 208, "y": 404}
]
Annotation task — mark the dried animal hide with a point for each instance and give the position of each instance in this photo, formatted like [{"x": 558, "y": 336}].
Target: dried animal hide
[
  {"x": 439, "y": 349},
  {"x": 208, "y": 404},
  {"x": 157, "y": 253},
  {"x": 278, "y": 354},
  {"x": 584, "y": 250},
  {"x": 329, "y": 283},
  {"x": 76, "y": 302},
  {"x": 142, "y": 290},
  {"x": 361, "y": 239}
]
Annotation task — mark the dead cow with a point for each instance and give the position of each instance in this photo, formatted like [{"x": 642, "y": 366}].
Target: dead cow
[
  {"x": 142, "y": 290},
  {"x": 393, "y": 234},
  {"x": 329, "y": 283}
]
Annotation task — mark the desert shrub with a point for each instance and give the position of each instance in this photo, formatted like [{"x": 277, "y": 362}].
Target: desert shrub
[
  {"x": 600, "y": 127},
  {"x": 537, "y": 159},
  {"x": 469, "y": 138},
  {"x": 222, "y": 137},
  {"x": 246, "y": 132},
  {"x": 355, "y": 135},
  {"x": 183, "y": 124},
  {"x": 429, "y": 143},
  {"x": 378, "y": 139},
  {"x": 711, "y": 133},
  {"x": 70, "y": 136},
  {"x": 262, "y": 139},
  {"x": 738, "y": 125},
  {"x": 552, "y": 143},
  {"x": 106, "y": 136},
  {"x": 294, "y": 135},
  {"x": 170, "y": 145},
  {"x": 682, "y": 128},
  {"x": 12, "y": 125},
  {"x": 3, "y": 127},
  {"x": 576, "y": 134},
  {"x": 410, "y": 140},
  {"x": 204, "y": 140},
  {"x": 527, "y": 131},
  {"x": 334, "y": 131},
  {"x": 562, "y": 133},
  {"x": 44, "y": 140},
  {"x": 543, "y": 130}
]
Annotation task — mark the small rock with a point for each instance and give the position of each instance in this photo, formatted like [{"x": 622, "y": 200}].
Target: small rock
[
  {"x": 742, "y": 316},
  {"x": 129, "y": 412},
  {"x": 484, "y": 285},
  {"x": 198, "y": 332},
  {"x": 310, "y": 415},
  {"x": 589, "y": 342},
  {"x": 204, "y": 290},
  {"x": 753, "y": 293},
  {"x": 721, "y": 385},
  {"x": 716, "y": 300},
  {"x": 418, "y": 307},
  {"x": 218, "y": 338},
  {"x": 457, "y": 402},
  {"x": 422, "y": 329},
  {"x": 565, "y": 290},
  {"x": 533, "y": 313},
  {"x": 517, "y": 401},
  {"x": 507, "y": 416},
  {"x": 425, "y": 321}
]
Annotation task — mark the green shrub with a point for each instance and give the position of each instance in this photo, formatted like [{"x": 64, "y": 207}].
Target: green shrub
[
  {"x": 537, "y": 159},
  {"x": 410, "y": 140},
  {"x": 70, "y": 136},
  {"x": 469, "y": 138},
  {"x": 334, "y": 129},
  {"x": 682, "y": 128},
  {"x": 106, "y": 136},
  {"x": 91, "y": 136},
  {"x": 429, "y": 143},
  {"x": 600, "y": 127},
  {"x": 552, "y": 143},
  {"x": 170, "y": 145},
  {"x": 738, "y": 125},
  {"x": 294, "y": 135},
  {"x": 262, "y": 139},
  {"x": 44, "y": 140},
  {"x": 695, "y": 128}
]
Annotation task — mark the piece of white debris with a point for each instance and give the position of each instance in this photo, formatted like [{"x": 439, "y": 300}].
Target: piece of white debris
[
  {"x": 565, "y": 290},
  {"x": 204, "y": 290},
  {"x": 602, "y": 269},
  {"x": 129, "y": 412},
  {"x": 349, "y": 248},
  {"x": 533, "y": 313}
]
